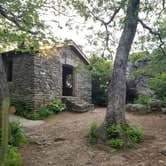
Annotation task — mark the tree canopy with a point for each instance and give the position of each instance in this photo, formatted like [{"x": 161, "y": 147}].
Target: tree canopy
[{"x": 22, "y": 25}]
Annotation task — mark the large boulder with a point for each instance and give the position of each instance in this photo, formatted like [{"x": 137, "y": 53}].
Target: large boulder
[
  {"x": 156, "y": 105},
  {"x": 137, "y": 84},
  {"x": 163, "y": 110},
  {"x": 139, "y": 108}
]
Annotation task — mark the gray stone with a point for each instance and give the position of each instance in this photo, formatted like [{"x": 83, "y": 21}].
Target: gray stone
[
  {"x": 37, "y": 78},
  {"x": 140, "y": 108},
  {"x": 137, "y": 84},
  {"x": 163, "y": 110},
  {"x": 25, "y": 122},
  {"x": 77, "y": 104},
  {"x": 155, "y": 105},
  {"x": 163, "y": 150}
]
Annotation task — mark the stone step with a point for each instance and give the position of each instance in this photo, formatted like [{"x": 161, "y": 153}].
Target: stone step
[{"x": 77, "y": 104}]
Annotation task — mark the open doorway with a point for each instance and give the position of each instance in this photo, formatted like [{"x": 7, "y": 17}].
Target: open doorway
[{"x": 68, "y": 81}]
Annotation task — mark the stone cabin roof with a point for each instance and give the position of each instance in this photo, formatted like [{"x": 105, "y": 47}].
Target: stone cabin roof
[{"x": 52, "y": 49}]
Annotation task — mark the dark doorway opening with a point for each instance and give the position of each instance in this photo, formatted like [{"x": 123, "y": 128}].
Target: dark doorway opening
[{"x": 67, "y": 80}]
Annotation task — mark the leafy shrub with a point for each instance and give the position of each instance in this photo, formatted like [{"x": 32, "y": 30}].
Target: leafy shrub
[
  {"x": 56, "y": 106},
  {"x": 51, "y": 109},
  {"x": 44, "y": 113},
  {"x": 114, "y": 131},
  {"x": 22, "y": 109},
  {"x": 158, "y": 84},
  {"x": 92, "y": 138},
  {"x": 14, "y": 157},
  {"x": 101, "y": 71},
  {"x": 16, "y": 134},
  {"x": 116, "y": 143},
  {"x": 135, "y": 135},
  {"x": 138, "y": 56},
  {"x": 142, "y": 100},
  {"x": 130, "y": 136}
]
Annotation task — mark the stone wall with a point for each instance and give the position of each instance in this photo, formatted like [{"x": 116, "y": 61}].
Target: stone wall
[
  {"x": 21, "y": 87},
  {"x": 47, "y": 79},
  {"x": 83, "y": 85},
  {"x": 37, "y": 79},
  {"x": 137, "y": 84}
]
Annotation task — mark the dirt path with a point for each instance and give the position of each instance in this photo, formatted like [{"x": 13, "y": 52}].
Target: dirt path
[{"x": 62, "y": 141}]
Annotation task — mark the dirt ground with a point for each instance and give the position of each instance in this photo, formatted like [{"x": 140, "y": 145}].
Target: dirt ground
[{"x": 62, "y": 141}]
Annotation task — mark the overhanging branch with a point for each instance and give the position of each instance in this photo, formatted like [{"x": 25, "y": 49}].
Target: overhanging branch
[
  {"x": 113, "y": 16},
  {"x": 15, "y": 20},
  {"x": 153, "y": 33},
  {"x": 103, "y": 22}
]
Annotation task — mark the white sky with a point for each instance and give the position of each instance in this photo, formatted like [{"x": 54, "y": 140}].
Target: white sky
[{"x": 79, "y": 36}]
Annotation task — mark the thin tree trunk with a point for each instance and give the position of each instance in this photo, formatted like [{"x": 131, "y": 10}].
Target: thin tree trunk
[
  {"x": 4, "y": 107},
  {"x": 117, "y": 90}
]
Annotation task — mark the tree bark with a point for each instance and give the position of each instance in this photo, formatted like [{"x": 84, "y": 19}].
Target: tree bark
[
  {"x": 117, "y": 90},
  {"x": 4, "y": 107}
]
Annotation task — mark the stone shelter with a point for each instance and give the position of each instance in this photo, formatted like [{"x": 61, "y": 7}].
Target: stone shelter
[{"x": 55, "y": 72}]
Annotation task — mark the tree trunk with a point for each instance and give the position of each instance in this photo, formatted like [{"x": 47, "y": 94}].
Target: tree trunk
[
  {"x": 117, "y": 90},
  {"x": 4, "y": 107}
]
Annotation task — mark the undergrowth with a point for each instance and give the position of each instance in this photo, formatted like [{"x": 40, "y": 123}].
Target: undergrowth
[
  {"x": 16, "y": 139},
  {"x": 51, "y": 109},
  {"x": 14, "y": 158},
  {"x": 118, "y": 136},
  {"x": 142, "y": 100},
  {"x": 92, "y": 139},
  {"x": 16, "y": 134}
]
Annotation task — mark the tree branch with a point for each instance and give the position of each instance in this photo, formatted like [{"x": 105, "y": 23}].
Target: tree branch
[
  {"x": 113, "y": 16},
  {"x": 153, "y": 33},
  {"x": 106, "y": 26},
  {"x": 15, "y": 20}
]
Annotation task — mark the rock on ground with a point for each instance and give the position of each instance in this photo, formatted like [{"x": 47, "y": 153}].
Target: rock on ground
[{"x": 25, "y": 122}]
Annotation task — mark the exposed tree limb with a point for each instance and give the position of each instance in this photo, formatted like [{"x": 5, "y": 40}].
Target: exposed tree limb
[
  {"x": 163, "y": 4},
  {"x": 14, "y": 19},
  {"x": 113, "y": 16},
  {"x": 153, "y": 33},
  {"x": 106, "y": 26}
]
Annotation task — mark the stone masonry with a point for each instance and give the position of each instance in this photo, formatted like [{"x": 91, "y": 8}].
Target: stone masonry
[{"x": 37, "y": 78}]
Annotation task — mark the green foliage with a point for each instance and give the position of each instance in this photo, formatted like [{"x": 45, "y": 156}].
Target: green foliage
[
  {"x": 92, "y": 138},
  {"x": 135, "y": 135},
  {"x": 56, "y": 106},
  {"x": 163, "y": 28},
  {"x": 101, "y": 70},
  {"x": 13, "y": 158},
  {"x": 157, "y": 68},
  {"x": 142, "y": 100},
  {"x": 123, "y": 135},
  {"x": 16, "y": 134},
  {"x": 116, "y": 143},
  {"x": 114, "y": 131},
  {"x": 21, "y": 24},
  {"x": 137, "y": 56},
  {"x": 23, "y": 110},
  {"x": 158, "y": 84},
  {"x": 43, "y": 113}
]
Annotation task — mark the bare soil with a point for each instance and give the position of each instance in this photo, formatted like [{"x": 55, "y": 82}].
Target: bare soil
[{"x": 62, "y": 141}]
